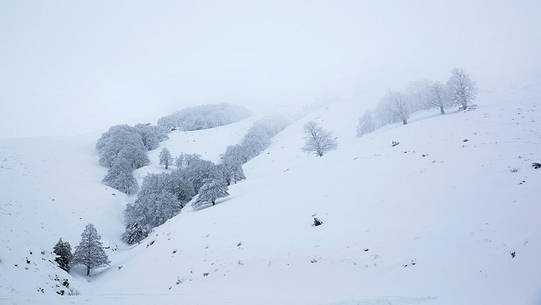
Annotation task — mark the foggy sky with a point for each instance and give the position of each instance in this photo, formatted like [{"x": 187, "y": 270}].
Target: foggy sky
[{"x": 69, "y": 67}]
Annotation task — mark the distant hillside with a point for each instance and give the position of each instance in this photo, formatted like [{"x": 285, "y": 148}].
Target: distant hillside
[{"x": 203, "y": 117}]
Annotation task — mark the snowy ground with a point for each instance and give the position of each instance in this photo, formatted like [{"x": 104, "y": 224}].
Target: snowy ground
[{"x": 433, "y": 220}]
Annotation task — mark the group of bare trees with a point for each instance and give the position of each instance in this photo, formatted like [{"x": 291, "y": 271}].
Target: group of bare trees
[{"x": 421, "y": 95}]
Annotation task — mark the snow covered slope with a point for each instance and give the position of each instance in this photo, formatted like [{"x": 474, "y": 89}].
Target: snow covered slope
[
  {"x": 51, "y": 188},
  {"x": 433, "y": 220},
  {"x": 209, "y": 143}
]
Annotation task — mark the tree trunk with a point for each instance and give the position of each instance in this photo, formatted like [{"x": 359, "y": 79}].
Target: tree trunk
[
  {"x": 464, "y": 106},
  {"x": 442, "y": 110},
  {"x": 405, "y": 122},
  {"x": 213, "y": 202},
  {"x": 87, "y": 270}
]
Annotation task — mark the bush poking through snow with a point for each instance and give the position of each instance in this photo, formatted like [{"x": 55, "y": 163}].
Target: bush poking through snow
[{"x": 317, "y": 222}]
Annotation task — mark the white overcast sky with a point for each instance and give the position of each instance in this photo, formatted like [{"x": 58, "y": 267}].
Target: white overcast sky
[{"x": 69, "y": 67}]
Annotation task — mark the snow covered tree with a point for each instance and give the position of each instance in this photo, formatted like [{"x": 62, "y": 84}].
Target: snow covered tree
[
  {"x": 162, "y": 196},
  {"x": 210, "y": 191},
  {"x": 136, "y": 157},
  {"x": 398, "y": 106},
  {"x": 117, "y": 139},
  {"x": 120, "y": 177},
  {"x": 203, "y": 116},
  {"x": 165, "y": 158},
  {"x": 234, "y": 154},
  {"x": 183, "y": 161},
  {"x": 231, "y": 172},
  {"x": 150, "y": 135},
  {"x": 366, "y": 124},
  {"x": 153, "y": 209},
  {"x": 256, "y": 140},
  {"x": 89, "y": 252},
  {"x": 258, "y": 137},
  {"x": 134, "y": 233},
  {"x": 122, "y": 149},
  {"x": 461, "y": 89},
  {"x": 150, "y": 210},
  {"x": 63, "y": 254},
  {"x": 318, "y": 140},
  {"x": 438, "y": 96},
  {"x": 199, "y": 170},
  {"x": 176, "y": 183},
  {"x": 231, "y": 166}
]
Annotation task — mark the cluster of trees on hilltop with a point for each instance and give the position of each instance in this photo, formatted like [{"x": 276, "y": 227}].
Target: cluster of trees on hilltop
[
  {"x": 162, "y": 196},
  {"x": 422, "y": 95},
  {"x": 202, "y": 117},
  {"x": 123, "y": 149}
]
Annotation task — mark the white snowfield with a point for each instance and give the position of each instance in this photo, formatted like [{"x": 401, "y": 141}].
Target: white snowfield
[{"x": 432, "y": 220}]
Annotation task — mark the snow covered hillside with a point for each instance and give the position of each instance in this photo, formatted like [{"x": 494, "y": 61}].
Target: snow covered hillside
[
  {"x": 444, "y": 217},
  {"x": 51, "y": 188},
  {"x": 209, "y": 143}
]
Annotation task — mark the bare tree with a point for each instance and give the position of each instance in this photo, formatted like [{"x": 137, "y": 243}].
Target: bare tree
[
  {"x": 438, "y": 96},
  {"x": 398, "y": 107},
  {"x": 461, "y": 89},
  {"x": 318, "y": 140}
]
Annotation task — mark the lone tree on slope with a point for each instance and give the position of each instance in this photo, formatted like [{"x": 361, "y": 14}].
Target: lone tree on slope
[
  {"x": 461, "y": 89},
  {"x": 438, "y": 96},
  {"x": 399, "y": 106},
  {"x": 210, "y": 191},
  {"x": 318, "y": 140},
  {"x": 63, "y": 251},
  {"x": 165, "y": 158},
  {"x": 90, "y": 252}
]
